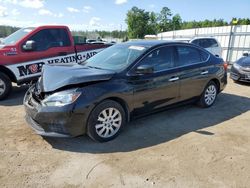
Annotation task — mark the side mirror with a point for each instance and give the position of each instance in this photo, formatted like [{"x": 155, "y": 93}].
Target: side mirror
[
  {"x": 29, "y": 45},
  {"x": 144, "y": 69},
  {"x": 245, "y": 54}
]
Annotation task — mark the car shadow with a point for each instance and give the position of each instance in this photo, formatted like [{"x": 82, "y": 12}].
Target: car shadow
[
  {"x": 242, "y": 83},
  {"x": 16, "y": 96},
  {"x": 161, "y": 127}
]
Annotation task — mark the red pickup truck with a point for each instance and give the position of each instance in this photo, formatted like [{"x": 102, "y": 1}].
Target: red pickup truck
[{"x": 23, "y": 53}]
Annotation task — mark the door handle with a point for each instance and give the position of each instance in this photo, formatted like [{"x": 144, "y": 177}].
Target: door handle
[
  {"x": 173, "y": 79},
  {"x": 204, "y": 72},
  {"x": 62, "y": 53}
]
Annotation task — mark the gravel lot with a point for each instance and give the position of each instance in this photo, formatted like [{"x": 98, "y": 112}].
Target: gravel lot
[{"x": 182, "y": 147}]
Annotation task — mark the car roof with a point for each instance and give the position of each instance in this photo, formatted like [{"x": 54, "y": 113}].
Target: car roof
[
  {"x": 151, "y": 43},
  {"x": 203, "y": 38}
]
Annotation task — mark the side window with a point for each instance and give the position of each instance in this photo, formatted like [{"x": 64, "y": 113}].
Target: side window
[
  {"x": 49, "y": 38},
  {"x": 196, "y": 42},
  {"x": 208, "y": 43},
  {"x": 204, "y": 56},
  {"x": 161, "y": 59},
  {"x": 40, "y": 39},
  {"x": 188, "y": 55},
  {"x": 205, "y": 43},
  {"x": 213, "y": 43}
]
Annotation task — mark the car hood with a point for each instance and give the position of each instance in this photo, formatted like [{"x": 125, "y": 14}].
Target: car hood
[
  {"x": 57, "y": 76},
  {"x": 244, "y": 61}
]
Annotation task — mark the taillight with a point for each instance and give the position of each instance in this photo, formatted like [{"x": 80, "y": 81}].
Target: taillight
[{"x": 225, "y": 65}]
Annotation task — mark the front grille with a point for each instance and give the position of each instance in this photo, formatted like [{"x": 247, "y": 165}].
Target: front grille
[
  {"x": 37, "y": 95},
  {"x": 30, "y": 102}
]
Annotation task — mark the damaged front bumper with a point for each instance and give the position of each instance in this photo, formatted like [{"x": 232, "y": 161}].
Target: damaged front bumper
[
  {"x": 53, "y": 121},
  {"x": 40, "y": 130}
]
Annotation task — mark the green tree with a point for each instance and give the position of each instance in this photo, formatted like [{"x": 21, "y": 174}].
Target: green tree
[
  {"x": 164, "y": 19},
  {"x": 137, "y": 21},
  {"x": 152, "y": 24},
  {"x": 176, "y": 22},
  {"x": 243, "y": 21},
  {"x": 7, "y": 30},
  {"x": 206, "y": 23}
]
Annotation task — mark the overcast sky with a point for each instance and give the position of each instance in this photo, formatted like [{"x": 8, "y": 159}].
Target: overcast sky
[{"x": 111, "y": 14}]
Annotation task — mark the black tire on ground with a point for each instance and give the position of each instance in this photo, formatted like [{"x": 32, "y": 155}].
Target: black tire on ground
[
  {"x": 106, "y": 121},
  {"x": 209, "y": 95},
  {"x": 5, "y": 86}
]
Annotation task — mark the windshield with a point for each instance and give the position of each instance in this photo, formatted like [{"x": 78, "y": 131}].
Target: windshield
[
  {"x": 16, "y": 36},
  {"x": 117, "y": 57}
]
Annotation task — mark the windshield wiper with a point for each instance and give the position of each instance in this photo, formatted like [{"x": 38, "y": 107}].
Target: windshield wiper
[
  {"x": 94, "y": 67},
  {"x": 82, "y": 62}
]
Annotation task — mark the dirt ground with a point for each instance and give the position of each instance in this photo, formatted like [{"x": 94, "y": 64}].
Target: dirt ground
[{"x": 182, "y": 147}]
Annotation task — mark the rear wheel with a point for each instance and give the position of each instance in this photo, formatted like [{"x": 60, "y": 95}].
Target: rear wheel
[
  {"x": 209, "y": 95},
  {"x": 5, "y": 86},
  {"x": 106, "y": 121}
]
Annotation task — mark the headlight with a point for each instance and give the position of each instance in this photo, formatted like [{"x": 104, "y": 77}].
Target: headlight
[
  {"x": 236, "y": 66},
  {"x": 61, "y": 98}
]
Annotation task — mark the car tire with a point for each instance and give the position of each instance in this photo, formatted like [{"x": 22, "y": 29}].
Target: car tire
[
  {"x": 106, "y": 121},
  {"x": 209, "y": 95},
  {"x": 5, "y": 86}
]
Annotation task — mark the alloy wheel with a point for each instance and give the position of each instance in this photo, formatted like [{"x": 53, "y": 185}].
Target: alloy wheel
[
  {"x": 210, "y": 94},
  {"x": 2, "y": 87},
  {"x": 109, "y": 122}
]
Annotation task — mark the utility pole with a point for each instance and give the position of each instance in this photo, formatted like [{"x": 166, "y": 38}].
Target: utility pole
[{"x": 233, "y": 22}]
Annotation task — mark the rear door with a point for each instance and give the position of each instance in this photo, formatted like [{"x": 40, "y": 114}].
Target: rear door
[
  {"x": 194, "y": 71},
  {"x": 160, "y": 88}
]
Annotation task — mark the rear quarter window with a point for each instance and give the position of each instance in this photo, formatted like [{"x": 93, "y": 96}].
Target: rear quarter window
[{"x": 204, "y": 56}]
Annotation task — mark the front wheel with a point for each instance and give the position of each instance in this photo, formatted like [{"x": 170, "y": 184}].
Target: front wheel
[
  {"x": 5, "y": 86},
  {"x": 106, "y": 121},
  {"x": 209, "y": 95}
]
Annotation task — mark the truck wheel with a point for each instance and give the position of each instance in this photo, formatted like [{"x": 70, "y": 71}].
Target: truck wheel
[
  {"x": 5, "y": 86},
  {"x": 106, "y": 121}
]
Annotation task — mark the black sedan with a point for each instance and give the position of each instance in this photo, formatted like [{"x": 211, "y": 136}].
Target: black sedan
[
  {"x": 126, "y": 80},
  {"x": 240, "y": 70}
]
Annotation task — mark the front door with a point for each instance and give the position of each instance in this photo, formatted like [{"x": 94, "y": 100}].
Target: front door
[{"x": 160, "y": 88}]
